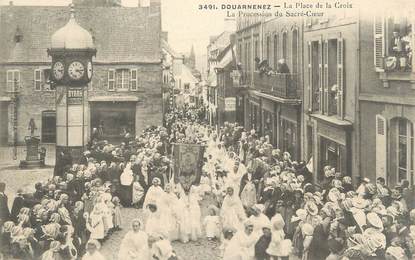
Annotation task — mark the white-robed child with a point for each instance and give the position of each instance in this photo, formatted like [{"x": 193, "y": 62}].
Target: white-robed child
[
  {"x": 212, "y": 223},
  {"x": 116, "y": 219},
  {"x": 205, "y": 185},
  {"x": 95, "y": 223}
]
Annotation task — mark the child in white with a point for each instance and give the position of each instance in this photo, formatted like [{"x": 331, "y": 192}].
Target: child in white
[{"x": 212, "y": 224}]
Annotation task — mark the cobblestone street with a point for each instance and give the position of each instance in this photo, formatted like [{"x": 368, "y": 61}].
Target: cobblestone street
[{"x": 202, "y": 250}]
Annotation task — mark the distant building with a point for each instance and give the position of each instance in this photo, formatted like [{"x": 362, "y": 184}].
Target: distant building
[{"x": 125, "y": 92}]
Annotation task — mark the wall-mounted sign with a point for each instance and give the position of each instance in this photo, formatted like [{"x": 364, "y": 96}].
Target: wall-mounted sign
[
  {"x": 75, "y": 96},
  {"x": 230, "y": 104}
]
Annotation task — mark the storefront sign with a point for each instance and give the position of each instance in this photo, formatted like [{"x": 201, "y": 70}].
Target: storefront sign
[
  {"x": 230, "y": 104},
  {"x": 75, "y": 96}
]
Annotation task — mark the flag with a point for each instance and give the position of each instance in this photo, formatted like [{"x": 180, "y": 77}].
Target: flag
[{"x": 188, "y": 163}]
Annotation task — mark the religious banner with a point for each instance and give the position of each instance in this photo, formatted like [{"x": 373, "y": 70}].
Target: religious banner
[{"x": 188, "y": 162}]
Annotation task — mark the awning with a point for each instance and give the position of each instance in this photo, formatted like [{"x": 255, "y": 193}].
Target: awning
[
  {"x": 113, "y": 99},
  {"x": 5, "y": 99}
]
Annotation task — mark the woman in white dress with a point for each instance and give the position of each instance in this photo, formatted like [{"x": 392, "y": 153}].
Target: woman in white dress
[
  {"x": 135, "y": 243},
  {"x": 170, "y": 215},
  {"x": 190, "y": 217},
  {"x": 92, "y": 251},
  {"x": 155, "y": 193},
  {"x": 232, "y": 212}
]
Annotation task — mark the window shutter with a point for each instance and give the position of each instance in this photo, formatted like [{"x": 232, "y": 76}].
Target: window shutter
[
  {"x": 381, "y": 147},
  {"x": 9, "y": 80},
  {"x": 310, "y": 76},
  {"x": 379, "y": 42},
  {"x": 111, "y": 80},
  {"x": 326, "y": 76},
  {"x": 38, "y": 79},
  {"x": 340, "y": 77},
  {"x": 320, "y": 76},
  {"x": 133, "y": 79}
]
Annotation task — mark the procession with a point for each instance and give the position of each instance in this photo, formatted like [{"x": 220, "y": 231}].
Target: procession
[
  {"x": 128, "y": 132},
  {"x": 264, "y": 205}
]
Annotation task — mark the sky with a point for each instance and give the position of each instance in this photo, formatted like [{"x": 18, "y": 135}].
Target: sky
[{"x": 185, "y": 24}]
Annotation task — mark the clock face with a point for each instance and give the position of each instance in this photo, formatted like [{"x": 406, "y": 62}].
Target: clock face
[
  {"x": 58, "y": 70},
  {"x": 76, "y": 70},
  {"x": 89, "y": 70}
]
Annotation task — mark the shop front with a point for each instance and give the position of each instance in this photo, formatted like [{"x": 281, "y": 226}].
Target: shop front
[
  {"x": 113, "y": 119},
  {"x": 333, "y": 147}
]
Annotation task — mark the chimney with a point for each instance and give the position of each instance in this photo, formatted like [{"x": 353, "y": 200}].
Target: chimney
[
  {"x": 230, "y": 25},
  {"x": 11, "y": 3},
  {"x": 165, "y": 36}
]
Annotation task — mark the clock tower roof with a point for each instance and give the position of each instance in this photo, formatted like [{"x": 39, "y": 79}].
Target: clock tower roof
[{"x": 72, "y": 36}]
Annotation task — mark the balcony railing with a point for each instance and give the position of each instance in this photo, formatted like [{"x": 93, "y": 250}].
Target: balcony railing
[{"x": 283, "y": 85}]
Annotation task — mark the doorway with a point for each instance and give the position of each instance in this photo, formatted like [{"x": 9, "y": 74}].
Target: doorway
[{"x": 48, "y": 134}]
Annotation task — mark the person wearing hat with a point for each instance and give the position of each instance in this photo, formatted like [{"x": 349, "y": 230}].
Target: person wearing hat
[
  {"x": 258, "y": 219},
  {"x": 279, "y": 247},
  {"x": 319, "y": 244},
  {"x": 242, "y": 245}
]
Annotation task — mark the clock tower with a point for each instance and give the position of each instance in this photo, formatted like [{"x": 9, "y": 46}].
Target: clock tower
[{"x": 71, "y": 50}]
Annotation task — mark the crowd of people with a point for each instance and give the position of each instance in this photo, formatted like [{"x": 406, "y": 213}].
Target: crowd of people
[{"x": 263, "y": 204}]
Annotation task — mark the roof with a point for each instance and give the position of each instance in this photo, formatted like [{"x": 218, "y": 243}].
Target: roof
[
  {"x": 187, "y": 74},
  {"x": 166, "y": 46},
  {"x": 122, "y": 34}
]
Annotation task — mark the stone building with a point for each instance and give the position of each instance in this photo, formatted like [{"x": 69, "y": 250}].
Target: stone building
[
  {"x": 126, "y": 88},
  {"x": 272, "y": 101},
  {"x": 387, "y": 98}
]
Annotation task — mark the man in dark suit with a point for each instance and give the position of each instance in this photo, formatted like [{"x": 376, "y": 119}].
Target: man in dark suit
[{"x": 4, "y": 208}]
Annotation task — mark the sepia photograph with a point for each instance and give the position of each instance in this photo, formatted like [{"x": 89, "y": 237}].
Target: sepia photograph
[{"x": 207, "y": 130}]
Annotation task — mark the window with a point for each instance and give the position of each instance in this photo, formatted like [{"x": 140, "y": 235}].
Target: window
[
  {"x": 392, "y": 43},
  {"x": 314, "y": 74},
  {"x": 284, "y": 46},
  {"x": 186, "y": 88},
  {"x": 332, "y": 154},
  {"x": 133, "y": 79},
  {"x": 38, "y": 80},
  {"x": 111, "y": 80},
  {"x": 122, "y": 77},
  {"x": 276, "y": 45},
  {"x": 41, "y": 79},
  {"x": 268, "y": 49},
  {"x": 405, "y": 151},
  {"x": 256, "y": 52},
  {"x": 295, "y": 51},
  {"x": 331, "y": 88},
  {"x": 13, "y": 80}
]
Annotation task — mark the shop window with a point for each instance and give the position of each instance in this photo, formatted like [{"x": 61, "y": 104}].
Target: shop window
[
  {"x": 289, "y": 136},
  {"x": 405, "y": 150},
  {"x": 332, "y": 154}
]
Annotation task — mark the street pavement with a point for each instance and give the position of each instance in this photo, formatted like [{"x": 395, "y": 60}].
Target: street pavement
[{"x": 201, "y": 250}]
